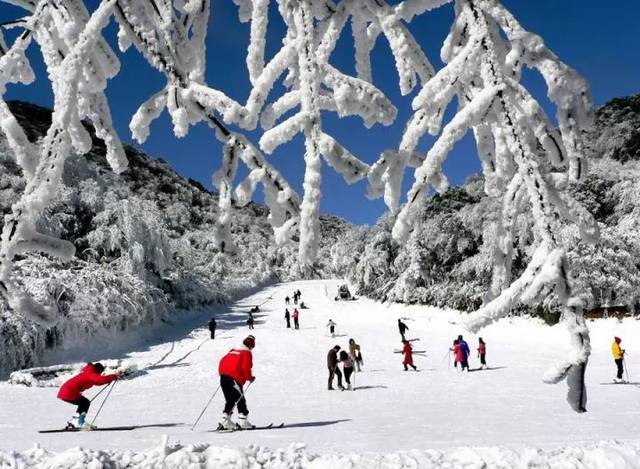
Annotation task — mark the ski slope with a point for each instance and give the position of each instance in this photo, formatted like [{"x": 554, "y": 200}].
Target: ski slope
[{"x": 506, "y": 413}]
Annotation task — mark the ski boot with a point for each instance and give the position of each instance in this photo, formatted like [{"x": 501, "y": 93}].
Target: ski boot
[
  {"x": 243, "y": 423},
  {"x": 226, "y": 423},
  {"x": 349, "y": 388}
]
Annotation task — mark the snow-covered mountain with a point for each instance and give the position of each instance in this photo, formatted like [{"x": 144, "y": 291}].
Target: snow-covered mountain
[
  {"x": 447, "y": 261},
  {"x": 144, "y": 249}
]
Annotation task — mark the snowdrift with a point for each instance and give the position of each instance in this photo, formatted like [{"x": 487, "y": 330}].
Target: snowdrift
[{"x": 603, "y": 455}]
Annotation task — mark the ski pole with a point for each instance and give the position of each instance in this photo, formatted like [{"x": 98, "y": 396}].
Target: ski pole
[
  {"x": 205, "y": 408},
  {"x": 99, "y": 392},
  {"x": 105, "y": 400},
  {"x": 624, "y": 362},
  {"x": 242, "y": 393}
]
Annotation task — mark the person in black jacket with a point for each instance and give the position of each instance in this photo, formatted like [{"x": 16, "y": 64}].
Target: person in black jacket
[
  {"x": 287, "y": 317},
  {"x": 334, "y": 370},
  {"x": 402, "y": 327},
  {"x": 212, "y": 327}
]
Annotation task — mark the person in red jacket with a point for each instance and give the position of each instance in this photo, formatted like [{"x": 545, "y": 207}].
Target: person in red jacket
[
  {"x": 482, "y": 353},
  {"x": 296, "y": 314},
  {"x": 407, "y": 350},
  {"x": 235, "y": 370},
  {"x": 71, "y": 391}
]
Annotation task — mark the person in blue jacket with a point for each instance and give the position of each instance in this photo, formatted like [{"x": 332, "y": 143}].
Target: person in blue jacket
[{"x": 464, "y": 348}]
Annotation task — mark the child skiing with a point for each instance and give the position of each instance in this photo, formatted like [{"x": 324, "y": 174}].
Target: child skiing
[
  {"x": 347, "y": 367},
  {"x": 287, "y": 317},
  {"x": 354, "y": 350},
  {"x": 332, "y": 327},
  {"x": 334, "y": 370},
  {"x": 286, "y": 300},
  {"x": 407, "y": 350},
  {"x": 71, "y": 392},
  {"x": 618, "y": 358},
  {"x": 235, "y": 369},
  {"x": 482, "y": 353},
  {"x": 463, "y": 356},
  {"x": 296, "y": 314},
  {"x": 456, "y": 352}
]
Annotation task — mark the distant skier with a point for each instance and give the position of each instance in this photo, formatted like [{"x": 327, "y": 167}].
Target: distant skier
[
  {"x": 618, "y": 357},
  {"x": 235, "y": 370},
  {"x": 334, "y": 370},
  {"x": 71, "y": 392},
  {"x": 482, "y": 353},
  {"x": 296, "y": 314},
  {"x": 286, "y": 300},
  {"x": 354, "y": 350},
  {"x": 303, "y": 306},
  {"x": 347, "y": 367},
  {"x": 250, "y": 321},
  {"x": 212, "y": 328},
  {"x": 332, "y": 327},
  {"x": 287, "y": 317},
  {"x": 295, "y": 298},
  {"x": 464, "y": 354},
  {"x": 456, "y": 352},
  {"x": 402, "y": 327},
  {"x": 407, "y": 351}
]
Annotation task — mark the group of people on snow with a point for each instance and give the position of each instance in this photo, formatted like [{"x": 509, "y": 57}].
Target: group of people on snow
[
  {"x": 295, "y": 316},
  {"x": 236, "y": 369},
  {"x": 351, "y": 361},
  {"x": 296, "y": 297}
]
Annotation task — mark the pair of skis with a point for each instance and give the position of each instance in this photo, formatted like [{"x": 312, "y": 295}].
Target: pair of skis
[{"x": 238, "y": 429}]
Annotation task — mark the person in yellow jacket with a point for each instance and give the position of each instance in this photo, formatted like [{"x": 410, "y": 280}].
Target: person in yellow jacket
[{"x": 618, "y": 357}]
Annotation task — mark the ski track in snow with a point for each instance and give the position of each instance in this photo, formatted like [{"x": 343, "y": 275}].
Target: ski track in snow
[{"x": 435, "y": 418}]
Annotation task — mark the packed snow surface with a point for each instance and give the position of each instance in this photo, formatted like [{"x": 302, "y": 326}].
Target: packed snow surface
[{"x": 437, "y": 417}]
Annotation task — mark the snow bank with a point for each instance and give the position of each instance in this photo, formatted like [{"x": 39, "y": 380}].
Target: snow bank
[{"x": 603, "y": 455}]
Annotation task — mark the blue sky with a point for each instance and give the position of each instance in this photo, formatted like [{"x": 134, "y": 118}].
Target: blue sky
[{"x": 599, "y": 39}]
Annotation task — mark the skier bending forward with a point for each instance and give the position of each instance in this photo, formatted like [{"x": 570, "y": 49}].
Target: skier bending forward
[
  {"x": 71, "y": 392},
  {"x": 235, "y": 370}
]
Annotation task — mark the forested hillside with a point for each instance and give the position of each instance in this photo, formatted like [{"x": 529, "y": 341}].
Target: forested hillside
[
  {"x": 448, "y": 259},
  {"x": 144, "y": 249}
]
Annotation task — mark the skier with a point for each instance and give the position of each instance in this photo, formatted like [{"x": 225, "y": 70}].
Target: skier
[
  {"x": 287, "y": 317},
  {"x": 347, "y": 367},
  {"x": 464, "y": 354},
  {"x": 618, "y": 357},
  {"x": 407, "y": 350},
  {"x": 296, "y": 313},
  {"x": 295, "y": 298},
  {"x": 482, "y": 352},
  {"x": 456, "y": 352},
  {"x": 303, "y": 306},
  {"x": 250, "y": 321},
  {"x": 286, "y": 300},
  {"x": 71, "y": 392},
  {"x": 402, "y": 327},
  {"x": 212, "y": 327},
  {"x": 332, "y": 327},
  {"x": 354, "y": 350},
  {"x": 332, "y": 364},
  {"x": 235, "y": 370}
]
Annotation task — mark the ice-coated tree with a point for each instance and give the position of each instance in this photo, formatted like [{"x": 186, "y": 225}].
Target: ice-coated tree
[{"x": 527, "y": 161}]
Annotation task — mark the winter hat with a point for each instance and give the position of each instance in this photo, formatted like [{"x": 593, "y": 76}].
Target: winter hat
[
  {"x": 250, "y": 341},
  {"x": 99, "y": 367},
  {"x": 617, "y": 339}
]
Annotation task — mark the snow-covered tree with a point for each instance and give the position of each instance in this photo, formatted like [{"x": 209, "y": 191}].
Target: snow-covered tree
[
  {"x": 79, "y": 63},
  {"x": 526, "y": 161}
]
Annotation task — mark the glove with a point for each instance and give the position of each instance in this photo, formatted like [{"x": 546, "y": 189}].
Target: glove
[{"x": 252, "y": 379}]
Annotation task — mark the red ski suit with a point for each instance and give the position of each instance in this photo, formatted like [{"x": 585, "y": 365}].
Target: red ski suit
[
  {"x": 237, "y": 364},
  {"x": 459, "y": 354},
  {"x": 408, "y": 354},
  {"x": 72, "y": 389}
]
